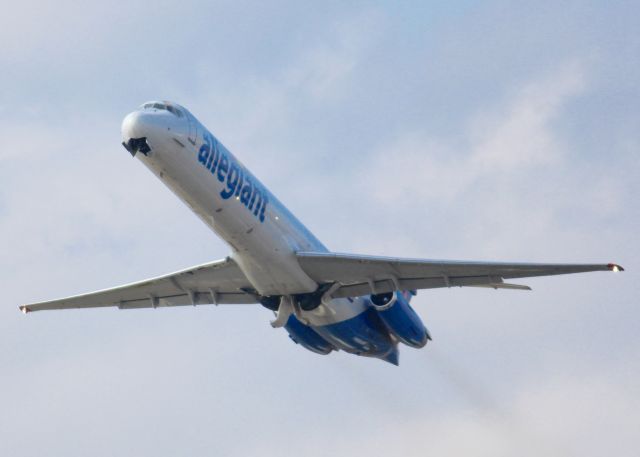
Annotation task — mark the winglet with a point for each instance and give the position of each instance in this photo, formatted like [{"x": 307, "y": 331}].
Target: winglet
[
  {"x": 615, "y": 267},
  {"x": 24, "y": 309}
]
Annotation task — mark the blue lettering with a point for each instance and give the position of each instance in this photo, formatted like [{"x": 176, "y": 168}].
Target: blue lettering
[
  {"x": 245, "y": 195},
  {"x": 216, "y": 157},
  {"x": 232, "y": 182},
  {"x": 203, "y": 154},
  {"x": 264, "y": 207},
  {"x": 211, "y": 156},
  {"x": 236, "y": 182},
  {"x": 254, "y": 192},
  {"x": 240, "y": 182},
  {"x": 223, "y": 166},
  {"x": 257, "y": 197}
]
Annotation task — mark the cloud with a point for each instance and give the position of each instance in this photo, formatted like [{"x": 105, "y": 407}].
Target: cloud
[
  {"x": 506, "y": 181},
  {"x": 511, "y": 139}
]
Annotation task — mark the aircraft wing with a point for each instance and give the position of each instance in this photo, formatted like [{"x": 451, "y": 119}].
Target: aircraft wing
[
  {"x": 356, "y": 275},
  {"x": 220, "y": 282}
]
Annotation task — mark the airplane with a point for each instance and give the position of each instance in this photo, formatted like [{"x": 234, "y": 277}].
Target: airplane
[{"x": 326, "y": 301}]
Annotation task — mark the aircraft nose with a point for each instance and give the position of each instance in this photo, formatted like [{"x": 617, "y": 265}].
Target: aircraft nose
[
  {"x": 136, "y": 128},
  {"x": 140, "y": 123}
]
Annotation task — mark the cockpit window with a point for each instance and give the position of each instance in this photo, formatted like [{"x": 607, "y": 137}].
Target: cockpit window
[{"x": 172, "y": 109}]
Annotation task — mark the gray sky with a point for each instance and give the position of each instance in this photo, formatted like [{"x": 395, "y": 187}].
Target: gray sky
[{"x": 465, "y": 130}]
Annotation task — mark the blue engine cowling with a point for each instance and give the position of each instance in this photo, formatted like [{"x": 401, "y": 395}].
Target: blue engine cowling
[
  {"x": 402, "y": 321},
  {"x": 306, "y": 337}
]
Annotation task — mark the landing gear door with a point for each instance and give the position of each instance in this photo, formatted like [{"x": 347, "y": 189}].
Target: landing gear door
[{"x": 193, "y": 130}]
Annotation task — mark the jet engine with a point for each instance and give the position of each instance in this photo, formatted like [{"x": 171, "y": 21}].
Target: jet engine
[
  {"x": 401, "y": 320},
  {"x": 305, "y": 336}
]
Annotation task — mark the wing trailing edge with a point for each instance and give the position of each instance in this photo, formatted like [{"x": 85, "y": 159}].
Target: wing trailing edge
[
  {"x": 363, "y": 274},
  {"x": 220, "y": 282}
]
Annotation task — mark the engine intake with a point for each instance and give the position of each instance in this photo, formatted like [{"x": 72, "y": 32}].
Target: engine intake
[{"x": 382, "y": 302}]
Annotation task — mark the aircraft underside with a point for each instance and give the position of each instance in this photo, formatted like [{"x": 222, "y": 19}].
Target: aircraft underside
[{"x": 385, "y": 321}]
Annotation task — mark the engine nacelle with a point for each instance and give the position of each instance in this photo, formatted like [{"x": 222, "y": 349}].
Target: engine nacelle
[
  {"x": 305, "y": 336},
  {"x": 400, "y": 318}
]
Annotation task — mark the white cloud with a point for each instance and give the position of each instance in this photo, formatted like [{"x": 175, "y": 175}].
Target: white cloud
[
  {"x": 523, "y": 135},
  {"x": 508, "y": 184},
  {"x": 517, "y": 137}
]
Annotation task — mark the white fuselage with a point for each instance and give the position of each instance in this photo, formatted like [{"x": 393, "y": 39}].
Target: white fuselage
[{"x": 263, "y": 235}]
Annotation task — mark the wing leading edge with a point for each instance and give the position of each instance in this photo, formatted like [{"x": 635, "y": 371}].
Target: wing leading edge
[
  {"x": 362, "y": 275},
  {"x": 220, "y": 282}
]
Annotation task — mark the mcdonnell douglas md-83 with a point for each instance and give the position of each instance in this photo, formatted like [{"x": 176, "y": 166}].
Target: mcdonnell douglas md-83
[{"x": 326, "y": 301}]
